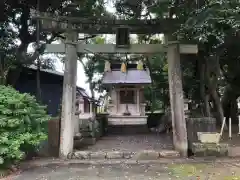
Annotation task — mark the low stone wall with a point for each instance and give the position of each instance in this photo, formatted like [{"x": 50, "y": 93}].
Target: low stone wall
[
  {"x": 198, "y": 124},
  {"x": 90, "y": 129}
]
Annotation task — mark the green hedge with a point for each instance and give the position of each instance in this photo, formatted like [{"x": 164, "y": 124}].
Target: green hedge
[{"x": 22, "y": 125}]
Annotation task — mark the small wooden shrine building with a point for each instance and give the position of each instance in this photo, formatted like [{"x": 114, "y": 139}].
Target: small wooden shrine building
[{"x": 125, "y": 83}]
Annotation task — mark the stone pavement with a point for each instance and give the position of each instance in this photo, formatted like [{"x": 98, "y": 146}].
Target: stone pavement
[
  {"x": 223, "y": 169},
  {"x": 138, "y": 147},
  {"x": 133, "y": 142}
]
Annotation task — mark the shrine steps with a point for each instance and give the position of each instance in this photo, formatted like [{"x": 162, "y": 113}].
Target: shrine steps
[
  {"x": 125, "y": 155},
  {"x": 149, "y": 155},
  {"x": 132, "y": 146}
]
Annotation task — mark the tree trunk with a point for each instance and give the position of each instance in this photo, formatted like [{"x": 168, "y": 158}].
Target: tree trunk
[
  {"x": 38, "y": 73},
  {"x": 13, "y": 75},
  {"x": 3, "y": 77},
  {"x": 204, "y": 95},
  {"x": 234, "y": 111},
  {"x": 2, "y": 80},
  {"x": 207, "y": 111},
  {"x": 91, "y": 87},
  {"x": 2, "y": 70},
  {"x": 212, "y": 74},
  {"x": 217, "y": 105},
  {"x": 38, "y": 80}
]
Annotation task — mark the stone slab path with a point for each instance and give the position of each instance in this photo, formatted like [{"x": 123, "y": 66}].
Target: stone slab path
[{"x": 138, "y": 147}]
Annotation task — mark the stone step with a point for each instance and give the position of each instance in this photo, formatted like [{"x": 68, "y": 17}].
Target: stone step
[
  {"x": 140, "y": 155},
  {"x": 127, "y": 129},
  {"x": 84, "y": 142}
]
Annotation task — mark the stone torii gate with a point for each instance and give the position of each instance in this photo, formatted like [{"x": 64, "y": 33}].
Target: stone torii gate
[{"x": 71, "y": 47}]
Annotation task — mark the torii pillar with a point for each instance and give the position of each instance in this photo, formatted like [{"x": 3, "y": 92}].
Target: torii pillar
[
  {"x": 69, "y": 96},
  {"x": 176, "y": 98}
]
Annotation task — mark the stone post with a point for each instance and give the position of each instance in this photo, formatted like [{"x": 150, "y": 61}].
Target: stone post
[
  {"x": 138, "y": 100},
  {"x": 176, "y": 99},
  {"x": 116, "y": 100},
  {"x": 91, "y": 108},
  {"x": 69, "y": 96}
]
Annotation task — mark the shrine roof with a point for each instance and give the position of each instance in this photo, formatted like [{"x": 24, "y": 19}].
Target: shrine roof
[
  {"x": 132, "y": 76},
  {"x": 82, "y": 92}
]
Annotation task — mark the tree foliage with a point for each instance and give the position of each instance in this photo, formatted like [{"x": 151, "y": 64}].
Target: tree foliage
[
  {"x": 212, "y": 75},
  {"x": 215, "y": 27},
  {"x": 157, "y": 93}
]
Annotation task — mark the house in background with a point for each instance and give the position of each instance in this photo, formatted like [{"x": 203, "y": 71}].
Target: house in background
[
  {"x": 51, "y": 90},
  {"x": 85, "y": 104}
]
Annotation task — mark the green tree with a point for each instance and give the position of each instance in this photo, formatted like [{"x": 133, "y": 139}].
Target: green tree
[
  {"x": 23, "y": 125},
  {"x": 215, "y": 26}
]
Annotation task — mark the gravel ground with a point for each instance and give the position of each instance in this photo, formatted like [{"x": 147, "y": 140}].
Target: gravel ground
[
  {"x": 95, "y": 172},
  {"x": 191, "y": 171}
]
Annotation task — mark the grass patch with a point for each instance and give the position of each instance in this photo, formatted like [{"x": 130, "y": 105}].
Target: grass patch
[
  {"x": 187, "y": 170},
  {"x": 232, "y": 178},
  {"x": 203, "y": 171}
]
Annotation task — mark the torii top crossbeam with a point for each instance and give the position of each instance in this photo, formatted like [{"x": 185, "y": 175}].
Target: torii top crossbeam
[
  {"x": 104, "y": 25},
  {"x": 109, "y": 26}
]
